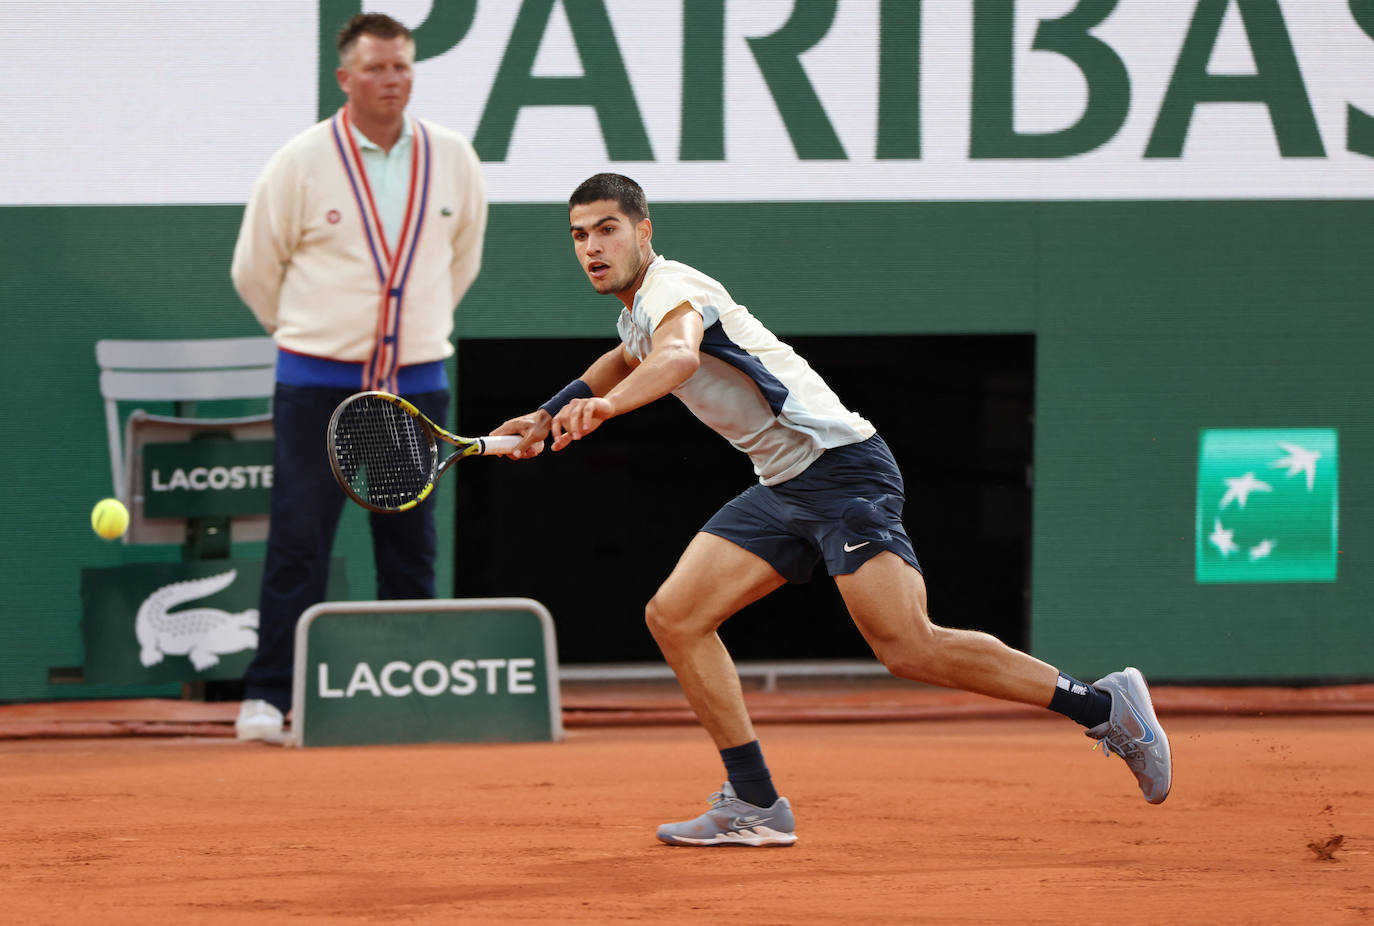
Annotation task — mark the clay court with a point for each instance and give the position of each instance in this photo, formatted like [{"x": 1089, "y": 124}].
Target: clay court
[{"x": 912, "y": 807}]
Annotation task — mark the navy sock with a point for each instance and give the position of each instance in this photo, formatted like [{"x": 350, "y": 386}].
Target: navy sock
[
  {"x": 748, "y": 775},
  {"x": 1080, "y": 701}
]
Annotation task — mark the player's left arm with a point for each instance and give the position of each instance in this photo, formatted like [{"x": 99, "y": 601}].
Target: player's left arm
[
  {"x": 602, "y": 376},
  {"x": 674, "y": 357}
]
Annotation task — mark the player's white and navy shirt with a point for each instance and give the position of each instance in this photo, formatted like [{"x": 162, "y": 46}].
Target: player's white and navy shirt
[{"x": 751, "y": 388}]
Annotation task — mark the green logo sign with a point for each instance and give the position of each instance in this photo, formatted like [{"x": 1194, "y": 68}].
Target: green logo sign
[
  {"x": 150, "y": 623},
  {"x": 1267, "y": 505},
  {"x": 457, "y": 670},
  {"x": 207, "y": 478}
]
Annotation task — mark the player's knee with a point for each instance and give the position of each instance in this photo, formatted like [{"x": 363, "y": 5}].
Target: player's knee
[
  {"x": 905, "y": 664},
  {"x": 663, "y": 623},
  {"x": 913, "y": 659}
]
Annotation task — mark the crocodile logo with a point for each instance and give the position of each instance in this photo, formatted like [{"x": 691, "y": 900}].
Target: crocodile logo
[{"x": 201, "y": 634}]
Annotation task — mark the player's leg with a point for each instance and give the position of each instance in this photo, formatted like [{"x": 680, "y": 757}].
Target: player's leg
[
  {"x": 887, "y": 598},
  {"x": 853, "y": 502},
  {"x": 306, "y": 504},
  {"x": 714, "y": 579}
]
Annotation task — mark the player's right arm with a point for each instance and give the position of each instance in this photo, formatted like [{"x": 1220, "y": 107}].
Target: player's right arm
[{"x": 605, "y": 373}]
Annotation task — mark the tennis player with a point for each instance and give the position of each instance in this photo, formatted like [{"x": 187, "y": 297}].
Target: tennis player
[{"x": 828, "y": 490}]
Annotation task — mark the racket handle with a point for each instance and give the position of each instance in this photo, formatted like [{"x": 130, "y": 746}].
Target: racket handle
[{"x": 499, "y": 445}]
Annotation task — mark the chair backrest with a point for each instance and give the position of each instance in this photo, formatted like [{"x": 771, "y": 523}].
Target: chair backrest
[{"x": 202, "y": 369}]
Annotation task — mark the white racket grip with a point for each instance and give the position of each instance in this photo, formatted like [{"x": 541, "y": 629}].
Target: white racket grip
[{"x": 499, "y": 445}]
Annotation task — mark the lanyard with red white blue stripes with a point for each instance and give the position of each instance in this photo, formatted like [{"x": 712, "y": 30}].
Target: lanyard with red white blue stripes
[{"x": 392, "y": 267}]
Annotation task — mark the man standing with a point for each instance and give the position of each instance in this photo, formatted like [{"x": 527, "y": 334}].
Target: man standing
[
  {"x": 361, "y": 236},
  {"x": 829, "y": 490}
]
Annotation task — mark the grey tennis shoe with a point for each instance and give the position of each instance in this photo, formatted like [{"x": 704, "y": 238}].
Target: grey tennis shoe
[
  {"x": 732, "y": 822},
  {"x": 1133, "y": 732}
]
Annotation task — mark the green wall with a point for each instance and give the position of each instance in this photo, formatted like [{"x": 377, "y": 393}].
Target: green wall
[
  {"x": 1158, "y": 320},
  {"x": 1152, "y": 319}
]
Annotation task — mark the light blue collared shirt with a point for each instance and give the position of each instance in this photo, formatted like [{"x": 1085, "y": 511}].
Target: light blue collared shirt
[{"x": 388, "y": 173}]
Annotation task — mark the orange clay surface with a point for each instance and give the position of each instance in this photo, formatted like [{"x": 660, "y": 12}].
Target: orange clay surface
[{"x": 1000, "y": 820}]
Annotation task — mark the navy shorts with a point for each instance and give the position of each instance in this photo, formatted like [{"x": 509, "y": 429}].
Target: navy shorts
[{"x": 845, "y": 508}]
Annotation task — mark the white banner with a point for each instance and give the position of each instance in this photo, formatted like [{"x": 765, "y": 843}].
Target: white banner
[{"x": 183, "y": 101}]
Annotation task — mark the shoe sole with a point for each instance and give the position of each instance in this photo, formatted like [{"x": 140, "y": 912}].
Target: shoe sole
[
  {"x": 256, "y": 732},
  {"x": 763, "y": 838},
  {"x": 1148, "y": 709}
]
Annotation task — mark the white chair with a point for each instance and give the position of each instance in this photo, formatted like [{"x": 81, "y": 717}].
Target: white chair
[{"x": 181, "y": 372}]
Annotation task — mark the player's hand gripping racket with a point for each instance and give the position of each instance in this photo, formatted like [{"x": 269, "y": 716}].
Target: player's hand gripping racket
[{"x": 385, "y": 453}]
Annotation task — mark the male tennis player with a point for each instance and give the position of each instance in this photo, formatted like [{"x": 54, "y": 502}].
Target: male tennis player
[{"x": 828, "y": 490}]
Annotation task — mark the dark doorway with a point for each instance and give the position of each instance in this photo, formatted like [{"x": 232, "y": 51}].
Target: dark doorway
[{"x": 592, "y": 531}]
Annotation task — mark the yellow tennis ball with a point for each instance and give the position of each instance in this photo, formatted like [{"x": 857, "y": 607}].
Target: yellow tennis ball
[{"x": 110, "y": 518}]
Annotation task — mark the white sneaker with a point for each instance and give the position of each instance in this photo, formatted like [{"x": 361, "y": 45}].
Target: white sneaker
[{"x": 257, "y": 720}]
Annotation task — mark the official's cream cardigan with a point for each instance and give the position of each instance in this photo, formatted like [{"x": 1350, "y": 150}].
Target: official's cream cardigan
[{"x": 311, "y": 259}]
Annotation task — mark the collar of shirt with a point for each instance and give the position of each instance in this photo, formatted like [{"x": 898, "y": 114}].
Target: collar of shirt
[
  {"x": 367, "y": 144},
  {"x": 388, "y": 174}
]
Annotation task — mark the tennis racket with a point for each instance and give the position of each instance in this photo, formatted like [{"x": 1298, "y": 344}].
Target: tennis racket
[{"x": 385, "y": 452}]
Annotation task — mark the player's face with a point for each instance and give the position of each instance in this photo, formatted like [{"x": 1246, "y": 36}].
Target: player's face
[
  {"x": 377, "y": 75},
  {"x": 611, "y": 249}
]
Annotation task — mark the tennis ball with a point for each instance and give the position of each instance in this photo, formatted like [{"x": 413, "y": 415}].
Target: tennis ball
[{"x": 110, "y": 518}]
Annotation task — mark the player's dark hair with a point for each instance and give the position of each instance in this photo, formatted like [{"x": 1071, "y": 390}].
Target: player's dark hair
[
  {"x": 626, "y": 193},
  {"x": 378, "y": 25}
]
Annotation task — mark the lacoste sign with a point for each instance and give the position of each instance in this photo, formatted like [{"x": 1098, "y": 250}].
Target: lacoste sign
[
  {"x": 196, "y": 620},
  {"x": 454, "y": 670},
  {"x": 206, "y": 478},
  {"x": 432, "y": 678},
  {"x": 201, "y": 634}
]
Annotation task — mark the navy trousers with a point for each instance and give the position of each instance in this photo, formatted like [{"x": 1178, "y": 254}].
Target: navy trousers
[{"x": 306, "y": 505}]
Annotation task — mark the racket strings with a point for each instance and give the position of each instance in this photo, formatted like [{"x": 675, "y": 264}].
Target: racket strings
[{"x": 383, "y": 453}]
